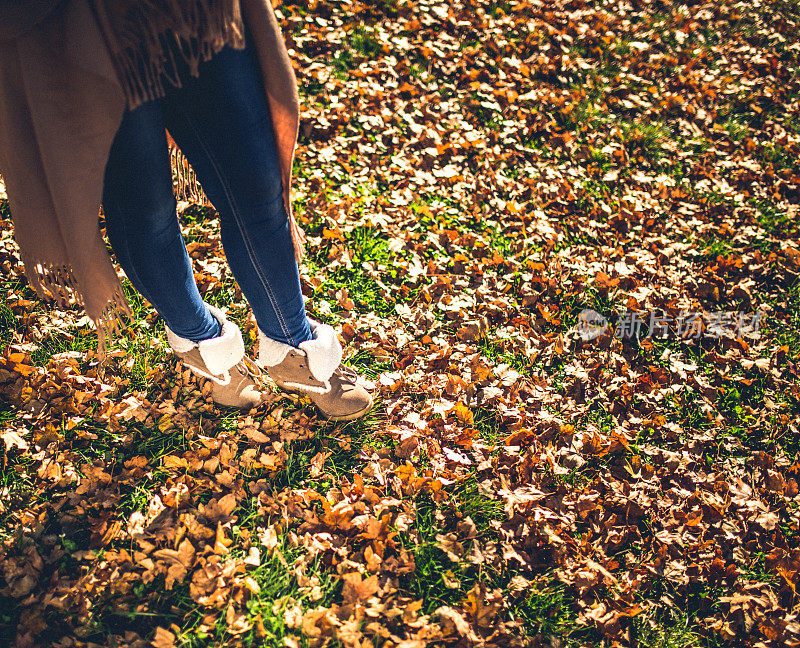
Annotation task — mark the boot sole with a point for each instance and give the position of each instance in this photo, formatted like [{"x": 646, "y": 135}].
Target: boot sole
[{"x": 343, "y": 417}]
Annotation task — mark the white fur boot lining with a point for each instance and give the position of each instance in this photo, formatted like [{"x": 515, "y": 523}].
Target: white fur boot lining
[
  {"x": 271, "y": 352},
  {"x": 219, "y": 353},
  {"x": 324, "y": 352}
]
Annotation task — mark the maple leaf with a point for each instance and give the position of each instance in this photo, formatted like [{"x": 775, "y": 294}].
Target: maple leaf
[{"x": 358, "y": 590}]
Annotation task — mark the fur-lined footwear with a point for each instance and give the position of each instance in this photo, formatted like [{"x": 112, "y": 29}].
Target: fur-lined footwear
[
  {"x": 222, "y": 361},
  {"x": 316, "y": 369}
]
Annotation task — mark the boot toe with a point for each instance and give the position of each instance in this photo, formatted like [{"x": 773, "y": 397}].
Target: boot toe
[
  {"x": 244, "y": 393},
  {"x": 348, "y": 405},
  {"x": 245, "y": 399}
]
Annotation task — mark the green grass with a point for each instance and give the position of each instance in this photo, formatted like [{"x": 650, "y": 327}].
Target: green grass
[
  {"x": 669, "y": 629},
  {"x": 16, "y": 485},
  {"x": 364, "y": 245},
  {"x": 8, "y": 325},
  {"x": 81, "y": 342},
  {"x": 438, "y": 580},
  {"x": 643, "y": 140},
  {"x": 364, "y": 42},
  {"x": 546, "y": 610},
  {"x": 775, "y": 221},
  {"x": 493, "y": 349}
]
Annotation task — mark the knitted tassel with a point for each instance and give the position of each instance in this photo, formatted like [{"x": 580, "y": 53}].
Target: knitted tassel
[
  {"x": 58, "y": 284},
  {"x": 146, "y": 36},
  {"x": 184, "y": 179},
  {"x": 298, "y": 238}
]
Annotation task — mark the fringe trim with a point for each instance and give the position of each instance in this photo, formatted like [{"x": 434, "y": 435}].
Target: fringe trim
[
  {"x": 298, "y": 238},
  {"x": 111, "y": 322},
  {"x": 150, "y": 35},
  {"x": 57, "y": 282},
  {"x": 186, "y": 186}
]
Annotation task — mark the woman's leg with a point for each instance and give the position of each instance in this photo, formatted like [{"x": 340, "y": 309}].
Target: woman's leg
[
  {"x": 222, "y": 124},
  {"x": 142, "y": 224}
]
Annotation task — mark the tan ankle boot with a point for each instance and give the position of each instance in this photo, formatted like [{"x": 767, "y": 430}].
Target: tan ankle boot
[
  {"x": 316, "y": 369},
  {"x": 222, "y": 361}
]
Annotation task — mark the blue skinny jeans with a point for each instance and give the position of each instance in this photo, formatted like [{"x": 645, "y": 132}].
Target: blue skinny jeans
[{"x": 221, "y": 122}]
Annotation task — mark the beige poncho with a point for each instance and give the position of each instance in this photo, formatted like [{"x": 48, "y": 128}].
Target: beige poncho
[{"x": 68, "y": 69}]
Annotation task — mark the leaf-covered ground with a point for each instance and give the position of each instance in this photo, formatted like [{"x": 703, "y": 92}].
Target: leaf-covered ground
[{"x": 472, "y": 176}]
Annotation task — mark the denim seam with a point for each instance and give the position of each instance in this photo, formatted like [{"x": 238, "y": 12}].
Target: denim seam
[{"x": 242, "y": 230}]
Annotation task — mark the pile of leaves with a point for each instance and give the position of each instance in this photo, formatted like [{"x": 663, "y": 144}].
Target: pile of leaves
[{"x": 474, "y": 177}]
